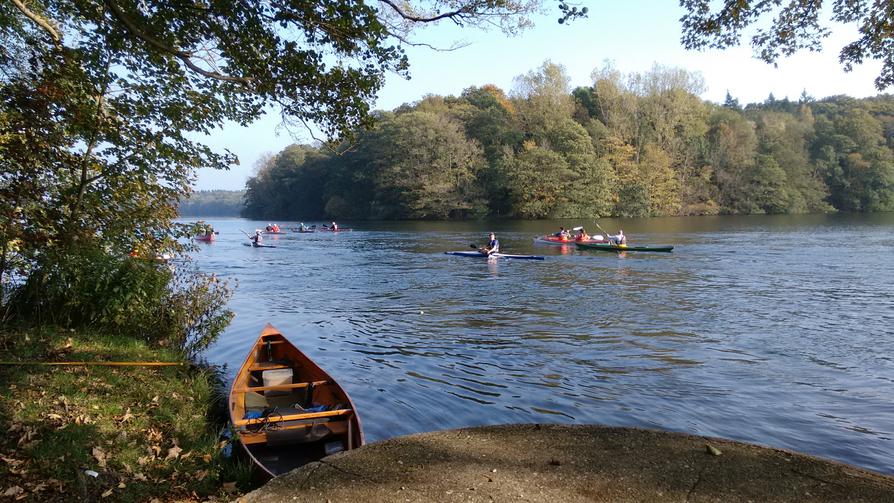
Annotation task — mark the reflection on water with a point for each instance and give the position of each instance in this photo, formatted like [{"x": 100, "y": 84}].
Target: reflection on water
[{"x": 763, "y": 329}]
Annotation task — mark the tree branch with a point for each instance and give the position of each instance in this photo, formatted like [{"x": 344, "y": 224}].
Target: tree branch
[
  {"x": 444, "y": 15},
  {"x": 184, "y": 56},
  {"x": 40, "y": 21}
]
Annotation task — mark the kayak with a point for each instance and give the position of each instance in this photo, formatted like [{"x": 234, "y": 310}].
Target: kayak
[
  {"x": 475, "y": 254},
  {"x": 614, "y": 247},
  {"x": 326, "y": 229},
  {"x": 286, "y": 410},
  {"x": 274, "y": 232},
  {"x": 555, "y": 240},
  {"x": 305, "y": 231},
  {"x": 258, "y": 245},
  {"x": 206, "y": 238}
]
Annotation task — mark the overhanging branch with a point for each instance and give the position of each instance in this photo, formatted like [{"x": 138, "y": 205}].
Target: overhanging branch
[
  {"x": 40, "y": 21},
  {"x": 184, "y": 56}
]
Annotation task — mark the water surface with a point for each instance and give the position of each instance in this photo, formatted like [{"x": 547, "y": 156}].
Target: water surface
[{"x": 773, "y": 330}]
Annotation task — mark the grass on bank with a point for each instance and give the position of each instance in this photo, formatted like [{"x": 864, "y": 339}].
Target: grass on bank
[{"x": 146, "y": 432}]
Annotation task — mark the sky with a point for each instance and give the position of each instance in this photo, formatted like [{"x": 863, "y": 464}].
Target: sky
[{"x": 632, "y": 35}]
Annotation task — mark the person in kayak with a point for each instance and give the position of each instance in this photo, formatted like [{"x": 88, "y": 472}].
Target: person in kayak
[
  {"x": 493, "y": 246},
  {"x": 562, "y": 233},
  {"x": 333, "y": 227},
  {"x": 619, "y": 238},
  {"x": 256, "y": 239},
  {"x": 582, "y": 235}
]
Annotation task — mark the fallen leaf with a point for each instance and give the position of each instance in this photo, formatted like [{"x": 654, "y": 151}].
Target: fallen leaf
[
  {"x": 140, "y": 477},
  {"x": 201, "y": 474},
  {"x": 144, "y": 460},
  {"x": 712, "y": 450},
  {"x": 229, "y": 487},
  {"x": 107, "y": 493},
  {"x": 100, "y": 456},
  {"x": 54, "y": 416},
  {"x": 16, "y": 490},
  {"x": 206, "y": 458},
  {"x": 121, "y": 485},
  {"x": 127, "y": 416},
  {"x": 173, "y": 453}
]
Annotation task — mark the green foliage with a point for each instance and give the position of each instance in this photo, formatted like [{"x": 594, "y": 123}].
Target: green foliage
[
  {"x": 629, "y": 145},
  {"x": 129, "y": 295}
]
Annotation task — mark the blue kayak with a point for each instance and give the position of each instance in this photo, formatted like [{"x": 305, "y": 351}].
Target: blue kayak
[
  {"x": 476, "y": 254},
  {"x": 258, "y": 246}
]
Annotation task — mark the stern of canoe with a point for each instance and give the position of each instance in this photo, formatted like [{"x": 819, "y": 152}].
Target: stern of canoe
[{"x": 286, "y": 410}]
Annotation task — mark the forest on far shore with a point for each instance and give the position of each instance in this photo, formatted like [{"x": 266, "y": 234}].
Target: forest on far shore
[
  {"x": 635, "y": 145},
  {"x": 212, "y": 203}
]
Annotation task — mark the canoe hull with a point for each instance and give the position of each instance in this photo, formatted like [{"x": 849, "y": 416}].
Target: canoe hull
[
  {"x": 207, "y": 239},
  {"x": 552, "y": 240},
  {"x": 623, "y": 248},
  {"x": 474, "y": 254},
  {"x": 305, "y": 414},
  {"x": 258, "y": 246}
]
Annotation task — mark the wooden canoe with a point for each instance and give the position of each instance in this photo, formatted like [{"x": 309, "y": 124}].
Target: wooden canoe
[{"x": 286, "y": 410}]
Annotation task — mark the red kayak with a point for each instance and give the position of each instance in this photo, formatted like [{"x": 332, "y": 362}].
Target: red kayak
[
  {"x": 556, "y": 240},
  {"x": 205, "y": 237}
]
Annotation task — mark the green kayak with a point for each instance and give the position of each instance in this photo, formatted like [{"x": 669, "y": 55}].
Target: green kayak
[{"x": 620, "y": 248}]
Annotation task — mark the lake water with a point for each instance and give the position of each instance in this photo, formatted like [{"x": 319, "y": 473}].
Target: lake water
[{"x": 772, "y": 330}]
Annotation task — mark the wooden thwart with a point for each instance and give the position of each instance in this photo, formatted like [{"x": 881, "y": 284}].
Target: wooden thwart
[
  {"x": 268, "y": 366},
  {"x": 280, "y": 387}
]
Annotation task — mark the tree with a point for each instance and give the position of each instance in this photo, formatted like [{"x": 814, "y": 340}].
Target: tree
[
  {"x": 100, "y": 101},
  {"x": 731, "y": 103},
  {"x": 795, "y": 25},
  {"x": 426, "y": 168}
]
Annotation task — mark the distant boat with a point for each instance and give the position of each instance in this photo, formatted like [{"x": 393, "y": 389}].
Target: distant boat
[
  {"x": 286, "y": 410},
  {"x": 205, "y": 237}
]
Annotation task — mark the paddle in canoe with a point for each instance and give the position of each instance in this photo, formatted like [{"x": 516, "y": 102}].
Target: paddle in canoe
[{"x": 286, "y": 410}]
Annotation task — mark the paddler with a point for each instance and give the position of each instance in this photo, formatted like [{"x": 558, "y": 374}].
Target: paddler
[
  {"x": 493, "y": 246},
  {"x": 582, "y": 235},
  {"x": 619, "y": 238},
  {"x": 333, "y": 227},
  {"x": 256, "y": 239}
]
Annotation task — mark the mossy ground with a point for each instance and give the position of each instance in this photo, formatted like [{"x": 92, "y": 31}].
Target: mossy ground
[{"x": 148, "y": 432}]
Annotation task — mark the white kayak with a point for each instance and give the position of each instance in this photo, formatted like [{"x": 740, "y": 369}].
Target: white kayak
[{"x": 475, "y": 254}]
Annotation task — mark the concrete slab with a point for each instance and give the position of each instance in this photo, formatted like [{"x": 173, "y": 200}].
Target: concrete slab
[{"x": 552, "y": 463}]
